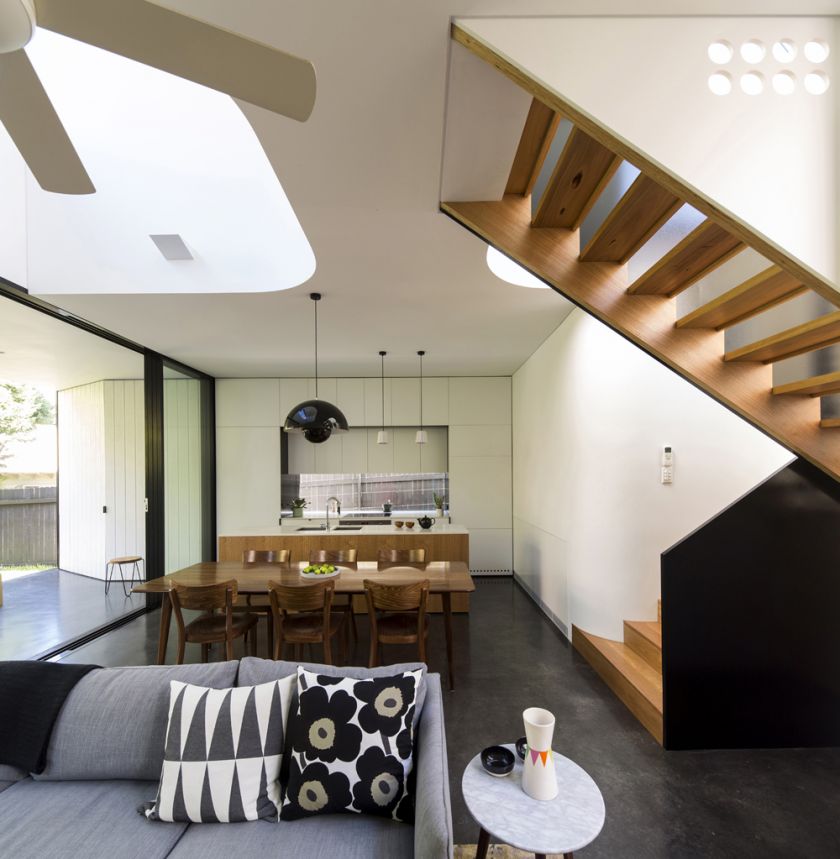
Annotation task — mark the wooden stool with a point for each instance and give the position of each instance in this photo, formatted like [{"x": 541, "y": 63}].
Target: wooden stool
[{"x": 134, "y": 561}]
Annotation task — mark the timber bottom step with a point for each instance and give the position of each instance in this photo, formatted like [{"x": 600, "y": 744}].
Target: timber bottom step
[{"x": 632, "y": 668}]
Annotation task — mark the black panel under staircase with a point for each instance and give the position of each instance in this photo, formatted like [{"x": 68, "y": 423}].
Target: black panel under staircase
[{"x": 751, "y": 620}]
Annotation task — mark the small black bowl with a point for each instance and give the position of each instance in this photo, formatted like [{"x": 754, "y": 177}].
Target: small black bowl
[
  {"x": 522, "y": 747},
  {"x": 497, "y": 760}
]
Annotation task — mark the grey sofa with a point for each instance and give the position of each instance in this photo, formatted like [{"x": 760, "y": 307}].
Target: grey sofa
[{"x": 105, "y": 757}]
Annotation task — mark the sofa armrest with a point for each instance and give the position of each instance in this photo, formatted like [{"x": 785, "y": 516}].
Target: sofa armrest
[{"x": 432, "y": 806}]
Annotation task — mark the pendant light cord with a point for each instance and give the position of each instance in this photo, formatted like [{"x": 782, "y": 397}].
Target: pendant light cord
[
  {"x": 316, "y": 347},
  {"x": 421, "y": 354},
  {"x": 382, "y": 359}
]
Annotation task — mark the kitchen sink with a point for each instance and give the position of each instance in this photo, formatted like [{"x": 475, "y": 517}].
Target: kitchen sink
[
  {"x": 347, "y": 528},
  {"x": 316, "y": 528}
]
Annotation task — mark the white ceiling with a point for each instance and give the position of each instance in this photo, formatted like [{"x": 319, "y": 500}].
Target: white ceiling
[
  {"x": 363, "y": 176},
  {"x": 39, "y": 350}
]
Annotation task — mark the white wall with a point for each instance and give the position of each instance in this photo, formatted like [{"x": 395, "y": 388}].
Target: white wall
[
  {"x": 761, "y": 157},
  {"x": 101, "y": 461},
  {"x": 591, "y": 413},
  {"x": 477, "y": 411}
]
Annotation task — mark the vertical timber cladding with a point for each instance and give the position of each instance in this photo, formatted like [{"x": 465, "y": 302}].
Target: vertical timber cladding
[{"x": 751, "y": 620}]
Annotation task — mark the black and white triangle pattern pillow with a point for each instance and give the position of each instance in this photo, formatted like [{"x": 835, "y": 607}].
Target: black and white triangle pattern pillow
[{"x": 223, "y": 752}]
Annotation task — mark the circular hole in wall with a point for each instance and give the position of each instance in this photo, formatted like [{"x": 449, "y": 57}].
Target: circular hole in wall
[
  {"x": 720, "y": 83},
  {"x": 753, "y": 51},
  {"x": 784, "y": 83},
  {"x": 752, "y": 83},
  {"x": 816, "y": 51},
  {"x": 784, "y": 51},
  {"x": 816, "y": 82},
  {"x": 720, "y": 52}
]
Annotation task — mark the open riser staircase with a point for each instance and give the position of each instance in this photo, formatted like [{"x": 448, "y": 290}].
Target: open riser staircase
[{"x": 537, "y": 224}]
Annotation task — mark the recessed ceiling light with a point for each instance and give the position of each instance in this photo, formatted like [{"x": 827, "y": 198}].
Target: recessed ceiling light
[
  {"x": 816, "y": 51},
  {"x": 753, "y": 51},
  {"x": 720, "y": 83},
  {"x": 510, "y": 272},
  {"x": 816, "y": 83},
  {"x": 172, "y": 246},
  {"x": 720, "y": 52},
  {"x": 752, "y": 83}
]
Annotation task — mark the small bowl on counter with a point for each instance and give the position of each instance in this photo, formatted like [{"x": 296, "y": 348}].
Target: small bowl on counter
[
  {"x": 409, "y": 524},
  {"x": 522, "y": 747},
  {"x": 498, "y": 761},
  {"x": 398, "y": 523}
]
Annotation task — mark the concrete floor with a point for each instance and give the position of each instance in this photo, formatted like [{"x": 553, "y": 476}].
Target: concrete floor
[
  {"x": 42, "y": 610},
  {"x": 659, "y": 804}
]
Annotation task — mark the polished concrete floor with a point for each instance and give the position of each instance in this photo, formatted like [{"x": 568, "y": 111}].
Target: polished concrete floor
[
  {"x": 43, "y": 610},
  {"x": 659, "y": 804}
]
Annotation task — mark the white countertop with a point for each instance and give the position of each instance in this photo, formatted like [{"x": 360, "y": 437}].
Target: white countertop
[{"x": 364, "y": 531}]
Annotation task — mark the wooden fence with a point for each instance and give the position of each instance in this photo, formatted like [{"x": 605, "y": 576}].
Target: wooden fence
[{"x": 28, "y": 525}]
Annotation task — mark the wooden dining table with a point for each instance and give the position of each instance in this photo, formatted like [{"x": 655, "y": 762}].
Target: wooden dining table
[{"x": 445, "y": 578}]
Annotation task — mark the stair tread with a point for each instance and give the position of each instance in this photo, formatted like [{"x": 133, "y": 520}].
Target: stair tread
[
  {"x": 815, "y": 386},
  {"x": 650, "y": 629},
  {"x": 764, "y": 290},
  {"x": 816, "y": 334},
  {"x": 644, "y": 678}
]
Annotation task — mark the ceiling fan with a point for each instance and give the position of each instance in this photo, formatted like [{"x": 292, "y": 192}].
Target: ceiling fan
[{"x": 148, "y": 33}]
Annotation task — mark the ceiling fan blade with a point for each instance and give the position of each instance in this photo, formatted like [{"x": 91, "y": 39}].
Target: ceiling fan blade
[
  {"x": 189, "y": 48},
  {"x": 34, "y": 126}
]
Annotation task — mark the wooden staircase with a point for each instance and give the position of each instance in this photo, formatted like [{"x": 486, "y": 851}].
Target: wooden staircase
[
  {"x": 632, "y": 668},
  {"x": 546, "y": 241}
]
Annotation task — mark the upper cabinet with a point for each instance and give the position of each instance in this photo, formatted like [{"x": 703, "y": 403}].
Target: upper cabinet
[{"x": 350, "y": 398}]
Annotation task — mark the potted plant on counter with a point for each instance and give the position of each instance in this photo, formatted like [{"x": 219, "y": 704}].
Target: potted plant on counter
[
  {"x": 439, "y": 499},
  {"x": 297, "y": 507}
]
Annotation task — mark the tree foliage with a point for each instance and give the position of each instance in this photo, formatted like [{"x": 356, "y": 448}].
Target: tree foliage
[{"x": 22, "y": 408}]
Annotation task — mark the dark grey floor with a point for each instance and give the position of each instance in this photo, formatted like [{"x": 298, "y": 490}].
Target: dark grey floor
[
  {"x": 659, "y": 804},
  {"x": 43, "y": 610}
]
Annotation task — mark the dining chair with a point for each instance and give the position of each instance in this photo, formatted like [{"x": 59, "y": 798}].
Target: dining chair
[
  {"x": 339, "y": 556},
  {"x": 303, "y": 615},
  {"x": 211, "y": 628},
  {"x": 404, "y": 620},
  {"x": 394, "y": 557},
  {"x": 255, "y": 603}
]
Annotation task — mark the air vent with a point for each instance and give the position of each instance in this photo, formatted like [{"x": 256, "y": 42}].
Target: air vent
[
  {"x": 172, "y": 246},
  {"x": 490, "y": 572}
]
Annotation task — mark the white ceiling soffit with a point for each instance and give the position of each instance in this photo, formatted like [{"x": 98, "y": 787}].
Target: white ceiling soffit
[{"x": 166, "y": 156}]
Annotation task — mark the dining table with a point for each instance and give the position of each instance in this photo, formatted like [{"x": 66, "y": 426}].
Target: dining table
[{"x": 444, "y": 577}]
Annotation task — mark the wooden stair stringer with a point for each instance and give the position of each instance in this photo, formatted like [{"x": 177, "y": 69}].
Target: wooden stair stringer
[
  {"x": 551, "y": 254},
  {"x": 637, "y": 685}
]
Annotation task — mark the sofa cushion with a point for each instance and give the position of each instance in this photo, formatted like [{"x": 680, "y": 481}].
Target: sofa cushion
[
  {"x": 93, "y": 819},
  {"x": 223, "y": 753},
  {"x": 254, "y": 670},
  {"x": 113, "y": 723},
  {"x": 317, "y": 837},
  {"x": 9, "y": 775}
]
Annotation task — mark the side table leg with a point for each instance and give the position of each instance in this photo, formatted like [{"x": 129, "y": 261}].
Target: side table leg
[
  {"x": 163, "y": 636},
  {"x": 483, "y": 844}
]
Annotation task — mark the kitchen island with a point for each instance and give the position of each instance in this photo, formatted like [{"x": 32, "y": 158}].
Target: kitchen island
[{"x": 442, "y": 542}]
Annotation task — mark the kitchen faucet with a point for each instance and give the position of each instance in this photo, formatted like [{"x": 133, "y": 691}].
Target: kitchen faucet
[{"x": 337, "y": 509}]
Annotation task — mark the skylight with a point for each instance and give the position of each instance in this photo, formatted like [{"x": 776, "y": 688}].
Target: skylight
[
  {"x": 510, "y": 272},
  {"x": 167, "y": 157}
]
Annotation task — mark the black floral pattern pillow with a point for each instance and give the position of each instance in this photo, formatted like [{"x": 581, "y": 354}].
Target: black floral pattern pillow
[{"x": 351, "y": 746}]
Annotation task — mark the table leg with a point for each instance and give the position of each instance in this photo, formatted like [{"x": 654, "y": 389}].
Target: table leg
[
  {"x": 163, "y": 636},
  {"x": 446, "y": 598},
  {"x": 483, "y": 844}
]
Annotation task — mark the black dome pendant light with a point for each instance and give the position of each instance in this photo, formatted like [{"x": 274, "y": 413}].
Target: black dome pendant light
[{"x": 316, "y": 419}]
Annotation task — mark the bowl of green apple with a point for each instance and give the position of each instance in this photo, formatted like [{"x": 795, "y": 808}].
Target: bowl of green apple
[{"x": 320, "y": 571}]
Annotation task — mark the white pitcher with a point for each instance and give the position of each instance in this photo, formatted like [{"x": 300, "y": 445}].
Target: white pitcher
[{"x": 538, "y": 779}]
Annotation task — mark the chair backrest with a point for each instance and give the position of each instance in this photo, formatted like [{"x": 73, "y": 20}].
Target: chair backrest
[
  {"x": 313, "y": 596},
  {"x": 204, "y": 597},
  {"x": 265, "y": 556},
  {"x": 333, "y": 556},
  {"x": 389, "y": 557},
  {"x": 411, "y": 596}
]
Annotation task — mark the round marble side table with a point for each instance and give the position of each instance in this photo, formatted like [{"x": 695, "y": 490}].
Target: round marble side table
[{"x": 502, "y": 809}]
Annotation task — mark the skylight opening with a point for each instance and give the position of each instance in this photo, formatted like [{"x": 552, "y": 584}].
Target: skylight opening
[
  {"x": 721, "y": 52},
  {"x": 816, "y": 51},
  {"x": 753, "y": 51},
  {"x": 720, "y": 83},
  {"x": 507, "y": 270},
  {"x": 167, "y": 157}
]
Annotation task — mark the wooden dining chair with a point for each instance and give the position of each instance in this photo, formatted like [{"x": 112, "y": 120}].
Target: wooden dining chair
[
  {"x": 394, "y": 557},
  {"x": 303, "y": 615},
  {"x": 404, "y": 620},
  {"x": 339, "y": 556},
  {"x": 255, "y": 603},
  {"x": 211, "y": 628}
]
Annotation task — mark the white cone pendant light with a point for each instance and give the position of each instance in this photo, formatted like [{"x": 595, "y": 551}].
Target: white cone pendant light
[
  {"x": 316, "y": 419},
  {"x": 382, "y": 435},
  {"x": 420, "y": 436}
]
